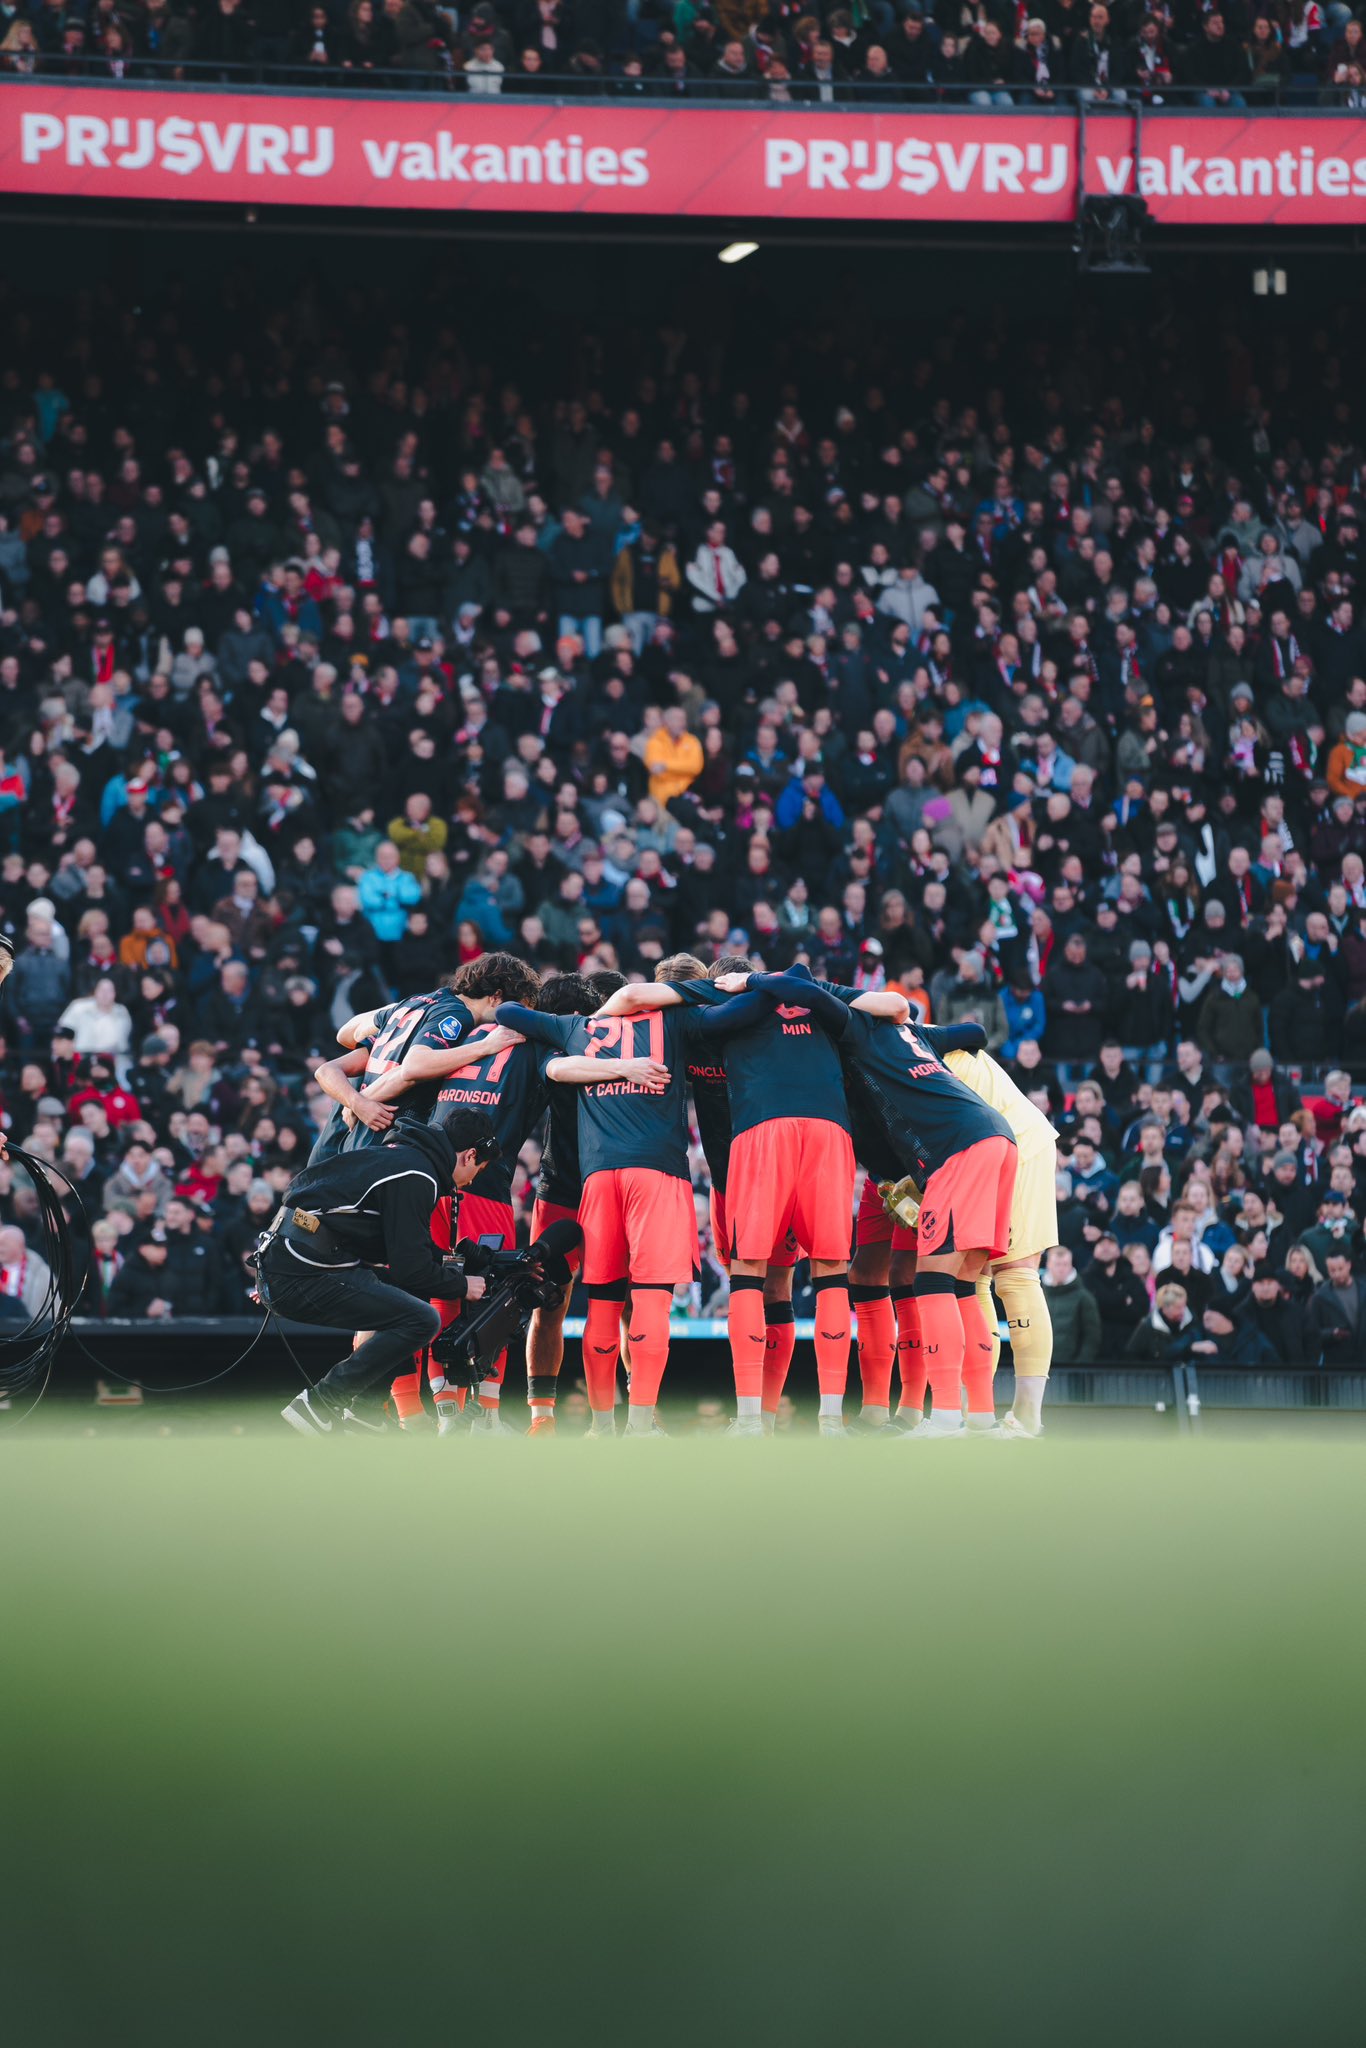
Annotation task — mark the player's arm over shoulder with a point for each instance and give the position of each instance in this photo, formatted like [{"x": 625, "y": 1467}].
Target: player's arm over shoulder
[
  {"x": 360, "y": 1029},
  {"x": 537, "y": 1025},
  {"x": 883, "y": 1002},
  {"x": 869, "y": 1002},
  {"x": 639, "y": 996},
  {"x": 942, "y": 1039}
]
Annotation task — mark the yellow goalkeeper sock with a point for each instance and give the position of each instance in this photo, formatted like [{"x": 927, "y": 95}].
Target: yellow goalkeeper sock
[{"x": 1031, "y": 1340}]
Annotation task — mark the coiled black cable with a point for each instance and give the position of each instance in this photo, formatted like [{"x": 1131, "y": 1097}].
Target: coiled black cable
[{"x": 26, "y": 1355}]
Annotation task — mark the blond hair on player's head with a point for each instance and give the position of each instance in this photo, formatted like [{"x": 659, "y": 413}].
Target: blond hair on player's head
[{"x": 681, "y": 967}]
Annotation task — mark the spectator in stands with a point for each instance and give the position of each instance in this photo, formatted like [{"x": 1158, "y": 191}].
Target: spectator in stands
[
  {"x": 947, "y": 706},
  {"x": 1167, "y": 1332},
  {"x": 578, "y": 559},
  {"x": 1230, "y": 1339},
  {"x": 138, "y": 1178},
  {"x": 970, "y": 999},
  {"x": 39, "y": 983},
  {"x": 1230, "y": 1027},
  {"x": 822, "y": 58},
  {"x": 1279, "y": 1317},
  {"x": 1146, "y": 1012},
  {"x": 1095, "y": 62},
  {"x": 673, "y": 756},
  {"x": 387, "y": 892},
  {"x": 190, "y": 1275},
  {"x": 99, "y": 1023},
  {"x": 1120, "y": 1296},
  {"x": 1072, "y": 1311},
  {"x": 1267, "y": 1097},
  {"x": 25, "y": 1282},
  {"x": 223, "y": 39},
  {"x": 1075, "y": 994},
  {"x": 1215, "y": 64},
  {"x": 140, "y": 1287},
  {"x": 1335, "y": 1313},
  {"x": 715, "y": 572}
]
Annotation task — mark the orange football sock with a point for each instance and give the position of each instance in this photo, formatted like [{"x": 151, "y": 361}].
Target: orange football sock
[
  {"x": 601, "y": 1348},
  {"x": 910, "y": 1356},
  {"x": 977, "y": 1352},
  {"x": 876, "y": 1343},
  {"x": 406, "y": 1394},
  {"x": 649, "y": 1338},
  {"x": 941, "y": 1329},
  {"x": 748, "y": 1336},
  {"x": 832, "y": 1333},
  {"x": 781, "y": 1330}
]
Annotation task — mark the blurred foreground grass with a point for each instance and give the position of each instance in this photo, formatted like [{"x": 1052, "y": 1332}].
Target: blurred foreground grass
[{"x": 679, "y": 1743}]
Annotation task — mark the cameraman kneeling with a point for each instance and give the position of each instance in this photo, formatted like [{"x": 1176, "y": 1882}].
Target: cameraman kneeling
[{"x": 347, "y": 1216}]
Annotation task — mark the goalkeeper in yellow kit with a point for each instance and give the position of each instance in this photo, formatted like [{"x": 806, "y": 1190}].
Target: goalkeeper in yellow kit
[{"x": 1033, "y": 1231}]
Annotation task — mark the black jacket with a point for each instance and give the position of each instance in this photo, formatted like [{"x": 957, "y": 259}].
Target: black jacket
[
  {"x": 377, "y": 1205},
  {"x": 136, "y": 1286},
  {"x": 1334, "y": 1339},
  {"x": 1122, "y": 1299},
  {"x": 1072, "y": 1035},
  {"x": 192, "y": 1277}
]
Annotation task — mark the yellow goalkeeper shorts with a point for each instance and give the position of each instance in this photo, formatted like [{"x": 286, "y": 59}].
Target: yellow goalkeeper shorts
[{"x": 1034, "y": 1211}]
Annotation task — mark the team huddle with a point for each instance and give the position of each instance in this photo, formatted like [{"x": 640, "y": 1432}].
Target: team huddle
[{"x": 794, "y": 1085}]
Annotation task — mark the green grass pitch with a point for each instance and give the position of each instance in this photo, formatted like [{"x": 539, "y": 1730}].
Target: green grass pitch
[{"x": 688, "y": 1743}]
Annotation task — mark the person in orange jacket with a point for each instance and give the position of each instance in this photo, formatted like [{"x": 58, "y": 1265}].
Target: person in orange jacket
[
  {"x": 1346, "y": 771},
  {"x": 673, "y": 756}
]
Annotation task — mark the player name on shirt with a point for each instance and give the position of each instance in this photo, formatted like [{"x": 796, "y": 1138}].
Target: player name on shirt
[
  {"x": 711, "y": 1113},
  {"x": 621, "y": 1123},
  {"x": 929, "y": 1114},
  {"x": 781, "y": 1064},
  {"x": 509, "y": 1088}
]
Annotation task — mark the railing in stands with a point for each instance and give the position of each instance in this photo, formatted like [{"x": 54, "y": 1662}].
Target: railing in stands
[
  {"x": 154, "y": 1353},
  {"x": 1301, "y": 93}
]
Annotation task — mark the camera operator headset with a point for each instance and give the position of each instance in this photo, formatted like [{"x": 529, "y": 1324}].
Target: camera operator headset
[{"x": 346, "y": 1217}]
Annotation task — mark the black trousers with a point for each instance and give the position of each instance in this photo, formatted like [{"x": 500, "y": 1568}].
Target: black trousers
[{"x": 352, "y": 1298}]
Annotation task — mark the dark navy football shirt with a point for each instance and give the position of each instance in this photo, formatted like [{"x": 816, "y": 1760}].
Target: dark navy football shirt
[
  {"x": 780, "y": 1060},
  {"x": 561, "y": 1178},
  {"x": 507, "y": 1087},
  {"x": 711, "y": 1109},
  {"x": 438, "y": 1022},
  {"x": 620, "y": 1123},
  {"x": 332, "y": 1138},
  {"x": 929, "y": 1114}
]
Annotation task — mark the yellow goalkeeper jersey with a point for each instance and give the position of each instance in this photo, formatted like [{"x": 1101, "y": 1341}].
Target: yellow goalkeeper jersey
[{"x": 1035, "y": 1137}]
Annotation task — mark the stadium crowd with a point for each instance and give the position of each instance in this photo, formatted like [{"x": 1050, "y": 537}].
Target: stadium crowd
[
  {"x": 985, "y": 51},
  {"x": 1025, "y": 674}
]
